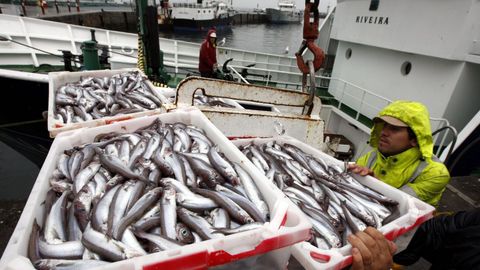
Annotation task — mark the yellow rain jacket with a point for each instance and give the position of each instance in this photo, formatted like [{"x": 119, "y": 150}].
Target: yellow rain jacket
[{"x": 413, "y": 170}]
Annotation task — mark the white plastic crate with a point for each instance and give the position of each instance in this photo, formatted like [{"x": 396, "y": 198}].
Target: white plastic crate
[
  {"x": 413, "y": 212},
  {"x": 57, "y": 79},
  {"x": 286, "y": 227},
  {"x": 171, "y": 94}
]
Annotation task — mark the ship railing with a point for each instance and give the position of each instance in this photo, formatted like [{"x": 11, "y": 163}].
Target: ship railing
[
  {"x": 357, "y": 102},
  {"x": 121, "y": 46},
  {"x": 186, "y": 5}
]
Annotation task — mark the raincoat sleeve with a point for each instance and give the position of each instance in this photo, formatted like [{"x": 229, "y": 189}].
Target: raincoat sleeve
[
  {"x": 430, "y": 185},
  {"x": 362, "y": 161},
  {"x": 448, "y": 242}
]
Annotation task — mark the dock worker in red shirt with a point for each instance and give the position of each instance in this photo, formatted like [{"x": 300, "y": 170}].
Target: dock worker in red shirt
[{"x": 208, "y": 55}]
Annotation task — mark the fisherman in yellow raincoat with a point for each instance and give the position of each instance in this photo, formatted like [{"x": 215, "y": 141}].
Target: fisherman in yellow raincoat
[{"x": 403, "y": 152}]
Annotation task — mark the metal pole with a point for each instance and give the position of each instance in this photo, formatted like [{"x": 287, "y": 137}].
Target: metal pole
[
  {"x": 175, "y": 46},
  {"x": 361, "y": 105},
  {"x": 24, "y": 9},
  {"x": 340, "y": 101}
]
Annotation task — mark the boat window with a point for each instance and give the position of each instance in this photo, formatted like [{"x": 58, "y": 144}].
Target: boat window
[
  {"x": 406, "y": 68},
  {"x": 348, "y": 53},
  {"x": 374, "y": 5},
  {"x": 199, "y": 11}
]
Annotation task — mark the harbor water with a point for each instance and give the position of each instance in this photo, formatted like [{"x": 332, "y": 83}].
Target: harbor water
[{"x": 265, "y": 38}]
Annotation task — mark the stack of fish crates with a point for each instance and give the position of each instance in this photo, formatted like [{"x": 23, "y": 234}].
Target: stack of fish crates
[
  {"x": 268, "y": 246},
  {"x": 411, "y": 211}
]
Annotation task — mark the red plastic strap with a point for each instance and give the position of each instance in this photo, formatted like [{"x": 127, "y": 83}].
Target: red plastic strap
[
  {"x": 347, "y": 262},
  {"x": 320, "y": 257},
  {"x": 392, "y": 235},
  {"x": 192, "y": 262},
  {"x": 318, "y": 54},
  {"x": 284, "y": 220},
  {"x": 118, "y": 120},
  {"x": 204, "y": 259},
  {"x": 233, "y": 138}
]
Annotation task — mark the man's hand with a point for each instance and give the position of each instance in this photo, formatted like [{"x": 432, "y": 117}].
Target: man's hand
[
  {"x": 363, "y": 171},
  {"x": 371, "y": 250}
]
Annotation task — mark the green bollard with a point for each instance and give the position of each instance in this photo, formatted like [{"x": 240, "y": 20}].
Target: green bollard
[{"x": 90, "y": 55}]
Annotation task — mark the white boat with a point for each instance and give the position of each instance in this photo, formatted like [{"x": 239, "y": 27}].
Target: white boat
[
  {"x": 286, "y": 12},
  {"x": 200, "y": 15},
  {"x": 407, "y": 50}
]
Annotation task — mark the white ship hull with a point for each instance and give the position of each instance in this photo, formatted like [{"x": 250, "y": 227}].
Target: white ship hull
[{"x": 280, "y": 16}]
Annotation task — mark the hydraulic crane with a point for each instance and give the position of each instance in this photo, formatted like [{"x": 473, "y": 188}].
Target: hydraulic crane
[{"x": 150, "y": 57}]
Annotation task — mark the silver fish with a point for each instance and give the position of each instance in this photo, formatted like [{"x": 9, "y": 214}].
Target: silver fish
[
  {"x": 251, "y": 190},
  {"x": 67, "y": 250},
  {"x": 136, "y": 211},
  {"x": 168, "y": 206},
  {"x": 222, "y": 166},
  {"x": 55, "y": 225},
  {"x": 232, "y": 208},
  {"x": 161, "y": 242},
  {"x": 184, "y": 234},
  {"x": 85, "y": 175},
  {"x": 106, "y": 247},
  {"x": 196, "y": 223}
]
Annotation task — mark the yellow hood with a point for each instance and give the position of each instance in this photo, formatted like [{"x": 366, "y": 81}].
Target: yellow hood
[{"x": 416, "y": 116}]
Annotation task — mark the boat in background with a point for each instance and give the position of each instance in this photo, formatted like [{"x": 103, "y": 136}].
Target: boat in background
[
  {"x": 286, "y": 12},
  {"x": 200, "y": 16}
]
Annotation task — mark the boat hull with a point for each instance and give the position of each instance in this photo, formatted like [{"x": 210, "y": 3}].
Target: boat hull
[
  {"x": 202, "y": 25},
  {"x": 277, "y": 16}
]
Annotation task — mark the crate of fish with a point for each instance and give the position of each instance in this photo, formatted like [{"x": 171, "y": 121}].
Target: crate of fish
[
  {"x": 336, "y": 202},
  {"x": 168, "y": 191},
  {"x": 95, "y": 98}
]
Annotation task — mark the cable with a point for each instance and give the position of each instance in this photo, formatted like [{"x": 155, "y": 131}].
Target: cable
[
  {"x": 18, "y": 133},
  {"x": 31, "y": 47}
]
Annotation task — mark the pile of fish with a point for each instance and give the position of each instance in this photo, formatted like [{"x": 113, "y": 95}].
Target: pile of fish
[
  {"x": 126, "y": 195},
  {"x": 95, "y": 98},
  {"x": 202, "y": 100},
  {"x": 335, "y": 202}
]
